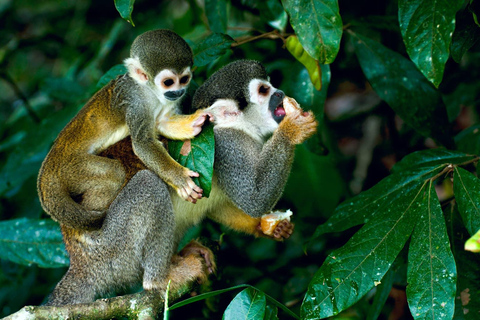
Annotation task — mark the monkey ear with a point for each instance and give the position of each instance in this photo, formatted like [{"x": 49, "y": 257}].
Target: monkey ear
[{"x": 136, "y": 70}]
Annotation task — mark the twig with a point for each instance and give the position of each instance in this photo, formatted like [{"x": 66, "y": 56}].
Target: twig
[
  {"x": 21, "y": 95},
  {"x": 270, "y": 35}
]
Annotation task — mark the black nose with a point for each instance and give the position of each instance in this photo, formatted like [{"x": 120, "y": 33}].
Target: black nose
[
  {"x": 174, "y": 95},
  {"x": 279, "y": 94}
]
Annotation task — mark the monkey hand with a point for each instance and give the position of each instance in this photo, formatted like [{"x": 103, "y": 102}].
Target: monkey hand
[
  {"x": 197, "y": 249},
  {"x": 282, "y": 231},
  {"x": 186, "y": 188},
  {"x": 297, "y": 125}
]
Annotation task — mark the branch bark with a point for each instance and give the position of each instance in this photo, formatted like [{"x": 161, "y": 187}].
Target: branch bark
[{"x": 145, "y": 305}]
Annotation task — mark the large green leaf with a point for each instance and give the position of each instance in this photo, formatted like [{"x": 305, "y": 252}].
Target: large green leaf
[
  {"x": 381, "y": 296},
  {"x": 415, "y": 168},
  {"x": 432, "y": 273},
  {"x": 28, "y": 241},
  {"x": 469, "y": 140},
  {"x": 467, "y": 193},
  {"x": 214, "y": 46},
  {"x": 351, "y": 271},
  {"x": 432, "y": 158},
  {"x": 216, "y": 12},
  {"x": 125, "y": 8},
  {"x": 397, "y": 81},
  {"x": 247, "y": 305},
  {"x": 199, "y": 156},
  {"x": 427, "y": 27},
  {"x": 318, "y": 25}
]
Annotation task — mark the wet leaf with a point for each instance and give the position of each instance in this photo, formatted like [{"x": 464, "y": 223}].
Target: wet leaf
[
  {"x": 312, "y": 65},
  {"x": 381, "y": 296},
  {"x": 351, "y": 271},
  {"x": 198, "y": 158},
  {"x": 397, "y": 81},
  {"x": 413, "y": 169},
  {"x": 248, "y": 304},
  {"x": 216, "y": 12},
  {"x": 29, "y": 241},
  {"x": 427, "y": 27},
  {"x": 318, "y": 26},
  {"x": 467, "y": 193},
  {"x": 125, "y": 8},
  {"x": 214, "y": 46},
  {"x": 432, "y": 273}
]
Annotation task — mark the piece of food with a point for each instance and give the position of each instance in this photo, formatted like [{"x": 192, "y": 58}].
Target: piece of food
[{"x": 269, "y": 221}]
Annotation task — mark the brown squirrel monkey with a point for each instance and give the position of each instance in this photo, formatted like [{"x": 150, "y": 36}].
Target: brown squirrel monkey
[
  {"x": 141, "y": 104},
  {"x": 255, "y": 138}
]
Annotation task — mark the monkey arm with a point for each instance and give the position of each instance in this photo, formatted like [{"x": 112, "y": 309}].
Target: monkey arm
[
  {"x": 252, "y": 176},
  {"x": 182, "y": 127}
]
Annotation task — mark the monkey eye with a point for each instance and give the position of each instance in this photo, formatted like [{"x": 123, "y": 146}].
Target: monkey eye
[
  {"x": 263, "y": 90},
  {"x": 168, "y": 82},
  {"x": 184, "y": 79}
]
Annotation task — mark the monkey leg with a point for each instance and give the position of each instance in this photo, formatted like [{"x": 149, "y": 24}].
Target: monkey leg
[
  {"x": 182, "y": 127},
  {"x": 141, "y": 224},
  {"x": 72, "y": 289},
  {"x": 96, "y": 180},
  {"x": 194, "y": 263}
]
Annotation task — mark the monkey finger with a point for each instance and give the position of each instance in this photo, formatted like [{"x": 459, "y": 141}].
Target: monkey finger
[{"x": 193, "y": 174}]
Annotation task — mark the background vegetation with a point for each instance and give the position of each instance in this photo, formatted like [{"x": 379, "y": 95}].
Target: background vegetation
[{"x": 399, "y": 80}]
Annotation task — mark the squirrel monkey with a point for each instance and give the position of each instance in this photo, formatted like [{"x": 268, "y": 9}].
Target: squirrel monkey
[
  {"x": 141, "y": 104},
  {"x": 255, "y": 137}
]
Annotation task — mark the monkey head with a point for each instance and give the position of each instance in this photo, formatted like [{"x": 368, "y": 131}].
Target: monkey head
[
  {"x": 161, "y": 59},
  {"x": 240, "y": 95}
]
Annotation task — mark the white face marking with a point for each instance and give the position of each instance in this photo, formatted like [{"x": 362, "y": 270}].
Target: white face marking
[{"x": 168, "y": 81}]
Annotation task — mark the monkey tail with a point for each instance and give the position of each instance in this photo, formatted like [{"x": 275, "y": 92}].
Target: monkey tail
[{"x": 63, "y": 209}]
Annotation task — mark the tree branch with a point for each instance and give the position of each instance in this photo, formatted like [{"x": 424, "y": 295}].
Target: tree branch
[{"x": 144, "y": 305}]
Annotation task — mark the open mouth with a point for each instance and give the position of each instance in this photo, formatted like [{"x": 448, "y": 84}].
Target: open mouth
[{"x": 279, "y": 112}]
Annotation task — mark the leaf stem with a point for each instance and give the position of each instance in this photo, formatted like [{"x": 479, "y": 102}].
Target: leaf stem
[{"x": 270, "y": 35}]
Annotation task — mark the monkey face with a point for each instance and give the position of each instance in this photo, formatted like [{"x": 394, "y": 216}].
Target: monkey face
[{"x": 171, "y": 85}]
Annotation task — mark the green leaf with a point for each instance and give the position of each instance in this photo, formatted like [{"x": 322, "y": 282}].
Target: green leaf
[
  {"x": 271, "y": 312},
  {"x": 199, "y": 156},
  {"x": 427, "y": 27},
  {"x": 466, "y": 34},
  {"x": 214, "y": 46},
  {"x": 272, "y": 12},
  {"x": 313, "y": 68},
  {"x": 111, "y": 74},
  {"x": 318, "y": 26},
  {"x": 125, "y": 8},
  {"x": 207, "y": 295},
  {"x": 415, "y": 168},
  {"x": 468, "y": 140},
  {"x": 397, "y": 81},
  {"x": 28, "y": 241},
  {"x": 467, "y": 193},
  {"x": 432, "y": 273},
  {"x": 216, "y": 12},
  {"x": 431, "y": 158},
  {"x": 351, "y": 271},
  {"x": 63, "y": 89},
  {"x": 381, "y": 296},
  {"x": 249, "y": 305}
]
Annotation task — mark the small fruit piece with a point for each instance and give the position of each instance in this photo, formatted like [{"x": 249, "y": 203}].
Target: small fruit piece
[{"x": 269, "y": 221}]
